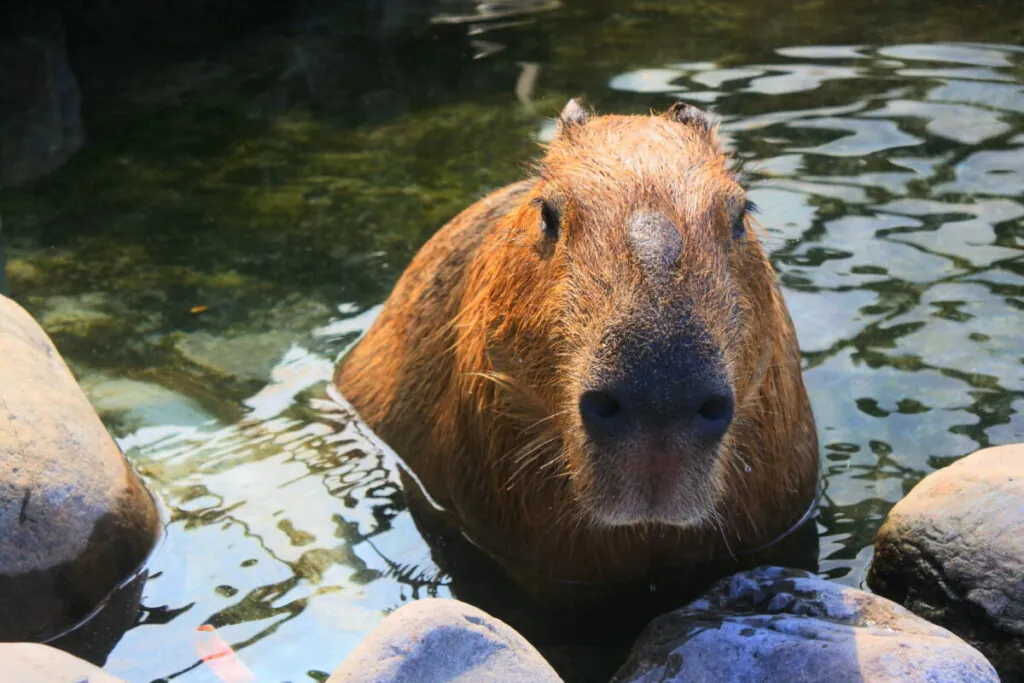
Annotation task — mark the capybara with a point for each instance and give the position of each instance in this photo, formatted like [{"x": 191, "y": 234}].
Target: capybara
[{"x": 592, "y": 370}]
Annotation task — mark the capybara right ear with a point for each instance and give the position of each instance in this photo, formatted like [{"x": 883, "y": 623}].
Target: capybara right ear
[
  {"x": 573, "y": 115},
  {"x": 689, "y": 115}
]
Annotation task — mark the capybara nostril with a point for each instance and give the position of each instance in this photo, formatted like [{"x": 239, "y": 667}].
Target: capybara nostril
[
  {"x": 715, "y": 415},
  {"x": 600, "y": 411},
  {"x": 695, "y": 410},
  {"x": 663, "y": 378}
]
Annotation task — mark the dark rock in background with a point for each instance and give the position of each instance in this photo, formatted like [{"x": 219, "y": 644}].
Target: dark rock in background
[{"x": 40, "y": 117}]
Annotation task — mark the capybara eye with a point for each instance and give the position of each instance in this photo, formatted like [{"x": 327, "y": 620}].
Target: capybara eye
[
  {"x": 550, "y": 221},
  {"x": 739, "y": 226}
]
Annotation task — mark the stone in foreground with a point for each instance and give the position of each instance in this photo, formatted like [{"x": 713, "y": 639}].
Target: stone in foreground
[
  {"x": 952, "y": 551},
  {"x": 34, "y": 663},
  {"x": 773, "y": 624},
  {"x": 433, "y": 640},
  {"x": 75, "y": 520}
]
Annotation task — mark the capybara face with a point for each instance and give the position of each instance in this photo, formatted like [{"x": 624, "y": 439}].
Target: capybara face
[
  {"x": 591, "y": 372},
  {"x": 648, "y": 319}
]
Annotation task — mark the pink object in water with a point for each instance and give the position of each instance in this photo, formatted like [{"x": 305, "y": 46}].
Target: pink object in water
[{"x": 218, "y": 655}]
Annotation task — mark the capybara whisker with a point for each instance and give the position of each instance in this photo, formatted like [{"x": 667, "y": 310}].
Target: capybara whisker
[
  {"x": 593, "y": 370},
  {"x": 532, "y": 450},
  {"x": 526, "y": 459},
  {"x": 716, "y": 519},
  {"x": 539, "y": 422},
  {"x": 511, "y": 481}
]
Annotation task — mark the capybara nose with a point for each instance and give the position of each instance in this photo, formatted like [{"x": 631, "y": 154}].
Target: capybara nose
[
  {"x": 700, "y": 413},
  {"x": 692, "y": 401}
]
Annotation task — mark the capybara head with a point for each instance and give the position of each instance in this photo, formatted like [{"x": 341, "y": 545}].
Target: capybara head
[{"x": 643, "y": 318}]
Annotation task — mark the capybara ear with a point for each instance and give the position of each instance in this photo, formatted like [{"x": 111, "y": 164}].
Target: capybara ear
[
  {"x": 572, "y": 116},
  {"x": 689, "y": 115}
]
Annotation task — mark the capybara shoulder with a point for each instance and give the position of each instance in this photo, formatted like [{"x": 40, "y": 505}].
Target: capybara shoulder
[
  {"x": 593, "y": 370},
  {"x": 414, "y": 333}
]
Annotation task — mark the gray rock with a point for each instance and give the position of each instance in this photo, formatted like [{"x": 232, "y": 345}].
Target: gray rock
[
  {"x": 773, "y": 624},
  {"x": 75, "y": 520},
  {"x": 952, "y": 551},
  {"x": 33, "y": 663},
  {"x": 430, "y": 641}
]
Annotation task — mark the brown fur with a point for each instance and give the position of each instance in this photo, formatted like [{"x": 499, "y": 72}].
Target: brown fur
[{"x": 473, "y": 370}]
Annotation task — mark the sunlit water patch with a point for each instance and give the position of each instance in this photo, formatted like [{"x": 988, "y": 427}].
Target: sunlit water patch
[{"x": 287, "y": 533}]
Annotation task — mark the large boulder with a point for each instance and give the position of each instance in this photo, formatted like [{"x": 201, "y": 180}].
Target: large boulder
[
  {"x": 952, "y": 551},
  {"x": 433, "y": 640},
  {"x": 76, "y": 522},
  {"x": 33, "y": 663},
  {"x": 773, "y": 624}
]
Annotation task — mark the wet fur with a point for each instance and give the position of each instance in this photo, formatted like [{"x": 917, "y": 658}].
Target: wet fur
[{"x": 472, "y": 371}]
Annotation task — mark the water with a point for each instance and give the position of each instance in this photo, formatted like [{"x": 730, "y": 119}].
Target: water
[{"x": 236, "y": 220}]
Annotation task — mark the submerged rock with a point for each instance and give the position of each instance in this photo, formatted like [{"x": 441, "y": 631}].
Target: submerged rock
[
  {"x": 773, "y": 624},
  {"x": 952, "y": 551},
  {"x": 77, "y": 315},
  {"x": 34, "y": 663},
  {"x": 75, "y": 520},
  {"x": 250, "y": 351},
  {"x": 443, "y": 640},
  {"x": 133, "y": 404},
  {"x": 245, "y": 356}
]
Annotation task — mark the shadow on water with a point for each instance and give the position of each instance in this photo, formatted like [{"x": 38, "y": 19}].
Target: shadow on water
[{"x": 248, "y": 191}]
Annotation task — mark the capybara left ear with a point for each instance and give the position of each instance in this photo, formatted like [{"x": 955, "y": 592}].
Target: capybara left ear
[
  {"x": 689, "y": 115},
  {"x": 572, "y": 116}
]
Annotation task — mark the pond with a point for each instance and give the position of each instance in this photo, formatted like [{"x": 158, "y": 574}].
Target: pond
[{"x": 237, "y": 217}]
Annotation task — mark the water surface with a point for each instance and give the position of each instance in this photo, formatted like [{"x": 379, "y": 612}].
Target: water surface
[{"x": 235, "y": 222}]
